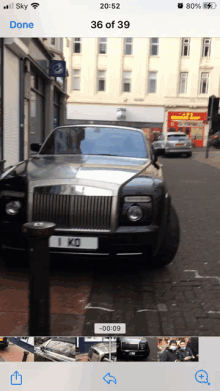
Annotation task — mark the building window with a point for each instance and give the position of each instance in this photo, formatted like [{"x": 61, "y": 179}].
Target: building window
[
  {"x": 152, "y": 82},
  {"x": 76, "y": 79},
  {"x": 52, "y": 41},
  {"x": 183, "y": 83},
  {"x": 101, "y": 80},
  {"x": 77, "y": 45},
  {"x": 102, "y": 45},
  {"x": 185, "y": 47},
  {"x": 61, "y": 44},
  {"x": 204, "y": 83},
  {"x": 206, "y": 47},
  {"x": 127, "y": 81},
  {"x": 128, "y": 46},
  {"x": 154, "y": 46}
]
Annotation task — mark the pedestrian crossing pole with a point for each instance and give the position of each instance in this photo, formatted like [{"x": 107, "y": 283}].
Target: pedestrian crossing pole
[{"x": 212, "y": 115}]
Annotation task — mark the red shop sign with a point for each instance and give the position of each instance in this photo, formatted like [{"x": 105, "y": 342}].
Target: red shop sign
[{"x": 176, "y": 116}]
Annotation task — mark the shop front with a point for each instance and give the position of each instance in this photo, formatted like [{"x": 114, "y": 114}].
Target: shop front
[
  {"x": 1, "y": 109},
  {"x": 191, "y": 123}
]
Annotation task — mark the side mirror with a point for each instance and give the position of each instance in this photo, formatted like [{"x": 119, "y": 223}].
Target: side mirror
[{"x": 35, "y": 147}]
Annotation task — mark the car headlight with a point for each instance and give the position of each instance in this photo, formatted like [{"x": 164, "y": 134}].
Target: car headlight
[
  {"x": 13, "y": 207},
  {"x": 134, "y": 213}
]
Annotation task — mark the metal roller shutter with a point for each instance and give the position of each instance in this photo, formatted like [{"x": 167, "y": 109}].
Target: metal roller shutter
[{"x": 11, "y": 108}]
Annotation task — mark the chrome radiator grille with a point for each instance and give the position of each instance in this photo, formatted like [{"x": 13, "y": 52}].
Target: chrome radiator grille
[{"x": 73, "y": 211}]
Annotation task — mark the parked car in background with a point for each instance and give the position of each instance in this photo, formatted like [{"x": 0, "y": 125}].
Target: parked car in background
[
  {"x": 214, "y": 140},
  {"x": 4, "y": 342},
  {"x": 103, "y": 188},
  {"x": 101, "y": 352},
  {"x": 56, "y": 349},
  {"x": 132, "y": 346},
  {"x": 174, "y": 143}
]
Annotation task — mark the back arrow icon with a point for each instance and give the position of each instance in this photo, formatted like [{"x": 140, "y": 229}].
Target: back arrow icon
[{"x": 108, "y": 378}]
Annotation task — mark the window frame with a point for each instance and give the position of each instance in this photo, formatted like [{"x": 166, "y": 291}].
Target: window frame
[
  {"x": 74, "y": 77},
  {"x": 153, "y": 44},
  {"x": 104, "y": 43},
  {"x": 101, "y": 78},
  {"x": 128, "y": 44},
  {"x": 77, "y": 41},
  {"x": 180, "y": 82},
  {"x": 125, "y": 78},
  {"x": 204, "y": 46},
  {"x": 201, "y": 79},
  {"x": 151, "y": 78},
  {"x": 187, "y": 45}
]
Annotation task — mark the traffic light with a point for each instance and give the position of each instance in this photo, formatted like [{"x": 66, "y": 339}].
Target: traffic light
[{"x": 213, "y": 108}]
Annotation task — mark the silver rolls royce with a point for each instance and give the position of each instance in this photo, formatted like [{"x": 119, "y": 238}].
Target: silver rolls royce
[
  {"x": 101, "y": 352},
  {"x": 56, "y": 349},
  {"x": 103, "y": 188}
]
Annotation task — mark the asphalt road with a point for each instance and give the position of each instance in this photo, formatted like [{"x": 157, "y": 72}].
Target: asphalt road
[{"x": 181, "y": 299}]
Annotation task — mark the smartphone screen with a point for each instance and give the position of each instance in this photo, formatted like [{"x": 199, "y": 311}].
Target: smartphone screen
[{"x": 109, "y": 183}]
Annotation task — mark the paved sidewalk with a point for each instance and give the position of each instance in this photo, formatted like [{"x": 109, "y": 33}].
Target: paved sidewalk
[
  {"x": 82, "y": 357},
  {"x": 213, "y": 157}
]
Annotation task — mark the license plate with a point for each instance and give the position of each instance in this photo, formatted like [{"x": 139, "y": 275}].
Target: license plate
[
  {"x": 132, "y": 353},
  {"x": 178, "y": 145},
  {"x": 73, "y": 242}
]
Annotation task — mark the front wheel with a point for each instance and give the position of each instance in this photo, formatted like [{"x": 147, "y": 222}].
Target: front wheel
[
  {"x": 147, "y": 353},
  {"x": 189, "y": 154},
  {"x": 170, "y": 244}
]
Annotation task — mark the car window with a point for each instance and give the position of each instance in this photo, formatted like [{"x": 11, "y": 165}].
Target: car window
[
  {"x": 63, "y": 348},
  {"x": 174, "y": 137},
  {"x": 96, "y": 141}
]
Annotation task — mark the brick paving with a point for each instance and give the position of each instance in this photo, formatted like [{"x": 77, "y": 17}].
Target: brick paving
[
  {"x": 14, "y": 353},
  {"x": 181, "y": 299},
  {"x": 83, "y": 357}
]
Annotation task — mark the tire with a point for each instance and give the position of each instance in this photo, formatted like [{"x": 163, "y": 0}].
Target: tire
[
  {"x": 170, "y": 244},
  {"x": 189, "y": 154},
  {"x": 147, "y": 353}
]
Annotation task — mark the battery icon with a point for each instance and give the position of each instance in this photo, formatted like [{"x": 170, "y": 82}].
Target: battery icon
[{"x": 209, "y": 6}]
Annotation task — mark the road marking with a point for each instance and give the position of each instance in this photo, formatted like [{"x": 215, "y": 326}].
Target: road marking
[
  {"x": 213, "y": 312},
  {"x": 161, "y": 308},
  {"x": 147, "y": 310},
  {"x": 198, "y": 276},
  {"x": 89, "y": 306}
]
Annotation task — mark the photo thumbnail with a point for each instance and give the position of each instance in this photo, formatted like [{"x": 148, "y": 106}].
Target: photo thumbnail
[
  {"x": 16, "y": 349},
  {"x": 178, "y": 349},
  {"x": 51, "y": 349}
]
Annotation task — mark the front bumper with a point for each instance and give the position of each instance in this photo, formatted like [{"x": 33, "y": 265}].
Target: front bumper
[
  {"x": 125, "y": 240},
  {"x": 134, "y": 352}
]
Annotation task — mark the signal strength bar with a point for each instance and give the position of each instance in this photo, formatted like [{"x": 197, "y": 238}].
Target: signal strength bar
[{"x": 9, "y": 6}]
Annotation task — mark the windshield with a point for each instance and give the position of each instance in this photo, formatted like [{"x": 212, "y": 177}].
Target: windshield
[
  {"x": 63, "y": 348},
  {"x": 95, "y": 141},
  {"x": 174, "y": 137}
]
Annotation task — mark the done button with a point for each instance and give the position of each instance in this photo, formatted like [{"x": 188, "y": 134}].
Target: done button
[{"x": 19, "y": 25}]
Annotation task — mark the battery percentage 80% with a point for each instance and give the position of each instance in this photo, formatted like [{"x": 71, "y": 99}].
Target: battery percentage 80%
[{"x": 193, "y": 6}]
